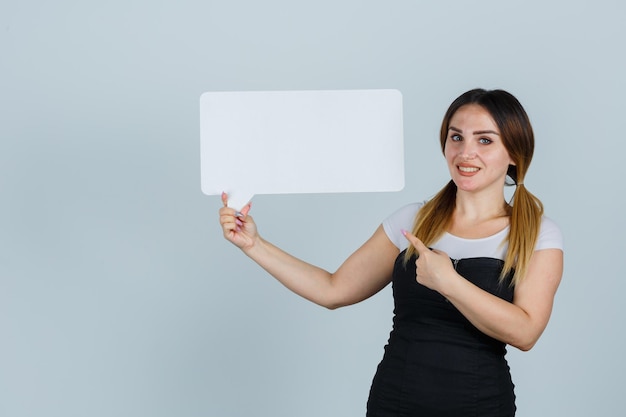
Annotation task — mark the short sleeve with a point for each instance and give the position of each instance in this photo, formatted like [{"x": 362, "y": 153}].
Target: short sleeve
[
  {"x": 550, "y": 236},
  {"x": 401, "y": 219}
]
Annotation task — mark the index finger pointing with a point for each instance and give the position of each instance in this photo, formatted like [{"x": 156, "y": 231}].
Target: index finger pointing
[{"x": 417, "y": 244}]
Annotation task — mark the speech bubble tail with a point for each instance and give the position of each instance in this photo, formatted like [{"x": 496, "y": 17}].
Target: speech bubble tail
[{"x": 239, "y": 199}]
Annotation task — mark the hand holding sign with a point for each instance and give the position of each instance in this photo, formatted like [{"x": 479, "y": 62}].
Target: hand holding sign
[
  {"x": 300, "y": 142},
  {"x": 238, "y": 227}
]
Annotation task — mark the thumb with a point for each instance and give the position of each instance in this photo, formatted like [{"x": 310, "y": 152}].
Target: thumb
[
  {"x": 247, "y": 208},
  {"x": 244, "y": 211},
  {"x": 417, "y": 244}
]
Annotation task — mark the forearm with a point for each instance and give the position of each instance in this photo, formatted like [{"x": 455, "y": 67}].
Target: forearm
[
  {"x": 494, "y": 316},
  {"x": 304, "y": 279},
  {"x": 521, "y": 322}
]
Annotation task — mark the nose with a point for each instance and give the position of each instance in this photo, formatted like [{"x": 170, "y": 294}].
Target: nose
[{"x": 467, "y": 151}]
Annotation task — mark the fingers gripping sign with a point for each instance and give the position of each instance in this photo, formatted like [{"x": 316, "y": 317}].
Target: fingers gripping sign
[
  {"x": 238, "y": 227},
  {"x": 432, "y": 267}
]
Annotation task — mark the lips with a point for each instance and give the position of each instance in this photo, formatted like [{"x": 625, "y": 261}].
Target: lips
[{"x": 468, "y": 170}]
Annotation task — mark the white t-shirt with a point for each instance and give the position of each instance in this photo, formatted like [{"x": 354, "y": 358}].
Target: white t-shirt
[{"x": 493, "y": 246}]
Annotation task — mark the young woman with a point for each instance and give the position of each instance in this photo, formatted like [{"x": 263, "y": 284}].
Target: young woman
[{"x": 470, "y": 272}]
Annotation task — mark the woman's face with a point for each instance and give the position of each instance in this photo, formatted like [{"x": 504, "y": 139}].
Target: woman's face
[{"x": 474, "y": 151}]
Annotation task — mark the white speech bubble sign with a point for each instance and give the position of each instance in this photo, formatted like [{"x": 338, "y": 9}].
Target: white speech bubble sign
[{"x": 276, "y": 142}]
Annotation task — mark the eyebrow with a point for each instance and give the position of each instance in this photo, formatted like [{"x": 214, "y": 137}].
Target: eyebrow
[{"x": 478, "y": 132}]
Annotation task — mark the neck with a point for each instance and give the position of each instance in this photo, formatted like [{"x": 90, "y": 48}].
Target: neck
[{"x": 480, "y": 207}]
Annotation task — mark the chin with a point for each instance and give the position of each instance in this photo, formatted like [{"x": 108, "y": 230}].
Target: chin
[
  {"x": 465, "y": 185},
  {"x": 467, "y": 189}
]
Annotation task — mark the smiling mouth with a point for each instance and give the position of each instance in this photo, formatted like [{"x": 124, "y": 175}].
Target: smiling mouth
[{"x": 468, "y": 169}]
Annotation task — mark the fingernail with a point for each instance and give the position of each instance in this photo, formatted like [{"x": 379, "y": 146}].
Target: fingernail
[
  {"x": 238, "y": 214},
  {"x": 404, "y": 232},
  {"x": 239, "y": 222}
]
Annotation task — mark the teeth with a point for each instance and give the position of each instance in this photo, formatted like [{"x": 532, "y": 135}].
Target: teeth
[{"x": 468, "y": 169}]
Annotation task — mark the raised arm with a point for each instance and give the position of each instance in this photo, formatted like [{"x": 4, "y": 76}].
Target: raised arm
[{"x": 362, "y": 275}]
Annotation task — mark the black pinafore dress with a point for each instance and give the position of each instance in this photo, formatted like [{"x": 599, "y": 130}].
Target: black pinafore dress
[{"x": 436, "y": 362}]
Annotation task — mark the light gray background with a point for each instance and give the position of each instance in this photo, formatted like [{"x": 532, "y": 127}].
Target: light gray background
[{"x": 118, "y": 295}]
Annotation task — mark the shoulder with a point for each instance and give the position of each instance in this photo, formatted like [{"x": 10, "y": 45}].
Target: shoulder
[
  {"x": 550, "y": 236},
  {"x": 401, "y": 219}
]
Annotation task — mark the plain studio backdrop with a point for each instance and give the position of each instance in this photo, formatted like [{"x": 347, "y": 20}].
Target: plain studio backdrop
[{"x": 118, "y": 294}]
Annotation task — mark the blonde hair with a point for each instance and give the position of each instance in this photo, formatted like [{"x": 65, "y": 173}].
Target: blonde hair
[{"x": 526, "y": 210}]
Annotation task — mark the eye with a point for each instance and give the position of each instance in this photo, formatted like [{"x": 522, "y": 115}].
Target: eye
[
  {"x": 485, "y": 141},
  {"x": 455, "y": 138}
]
